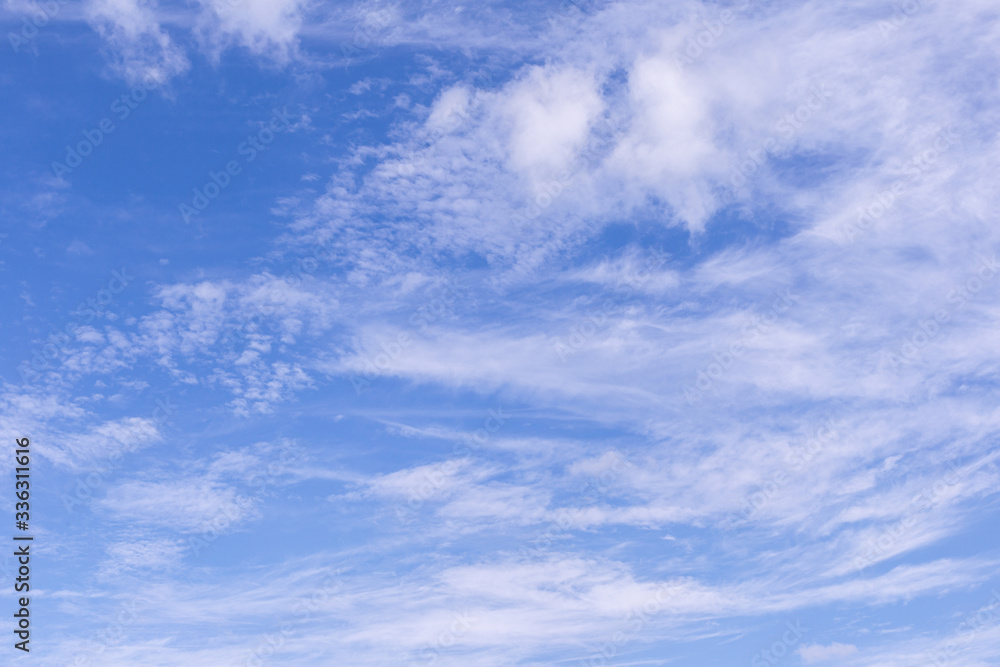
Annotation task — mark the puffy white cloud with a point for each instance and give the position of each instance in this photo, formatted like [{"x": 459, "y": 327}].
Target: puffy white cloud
[
  {"x": 550, "y": 112},
  {"x": 669, "y": 147},
  {"x": 265, "y": 27}
]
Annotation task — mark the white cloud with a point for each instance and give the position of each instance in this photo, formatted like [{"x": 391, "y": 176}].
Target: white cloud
[
  {"x": 135, "y": 555},
  {"x": 450, "y": 109},
  {"x": 817, "y": 653},
  {"x": 189, "y": 506},
  {"x": 78, "y": 247},
  {"x": 458, "y": 180},
  {"x": 669, "y": 147},
  {"x": 426, "y": 481},
  {"x": 550, "y": 112},
  {"x": 265, "y": 27},
  {"x": 146, "y": 53},
  {"x": 108, "y": 440}
]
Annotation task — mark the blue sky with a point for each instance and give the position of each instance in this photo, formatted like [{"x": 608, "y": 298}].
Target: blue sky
[{"x": 607, "y": 333}]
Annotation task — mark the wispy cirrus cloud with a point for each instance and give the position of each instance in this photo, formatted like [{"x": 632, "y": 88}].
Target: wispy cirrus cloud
[{"x": 763, "y": 274}]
